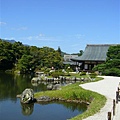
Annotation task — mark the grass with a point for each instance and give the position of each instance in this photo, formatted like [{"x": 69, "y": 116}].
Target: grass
[{"x": 75, "y": 92}]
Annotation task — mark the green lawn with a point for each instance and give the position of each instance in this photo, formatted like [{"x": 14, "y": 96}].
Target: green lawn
[{"x": 75, "y": 92}]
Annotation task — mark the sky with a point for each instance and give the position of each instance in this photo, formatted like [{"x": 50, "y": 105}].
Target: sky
[{"x": 68, "y": 24}]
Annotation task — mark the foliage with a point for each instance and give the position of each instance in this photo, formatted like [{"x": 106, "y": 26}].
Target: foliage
[
  {"x": 69, "y": 69},
  {"x": 92, "y": 75},
  {"x": 59, "y": 51},
  {"x": 23, "y": 65},
  {"x": 83, "y": 73},
  {"x": 56, "y": 74},
  {"x": 27, "y": 59},
  {"x": 81, "y": 52},
  {"x": 112, "y": 72},
  {"x": 112, "y": 64}
]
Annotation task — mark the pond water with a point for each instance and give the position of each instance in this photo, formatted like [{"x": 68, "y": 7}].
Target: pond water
[{"x": 12, "y": 109}]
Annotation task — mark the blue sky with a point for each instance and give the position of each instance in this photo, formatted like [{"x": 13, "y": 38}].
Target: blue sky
[{"x": 70, "y": 24}]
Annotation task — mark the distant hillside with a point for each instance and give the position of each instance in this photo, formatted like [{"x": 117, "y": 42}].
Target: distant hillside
[{"x": 11, "y": 41}]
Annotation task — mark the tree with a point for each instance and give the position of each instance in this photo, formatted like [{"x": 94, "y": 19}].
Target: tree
[
  {"x": 27, "y": 58},
  {"x": 6, "y": 55},
  {"x": 50, "y": 57},
  {"x": 59, "y": 50},
  {"x": 80, "y": 52},
  {"x": 112, "y": 64},
  {"x": 24, "y": 64}
]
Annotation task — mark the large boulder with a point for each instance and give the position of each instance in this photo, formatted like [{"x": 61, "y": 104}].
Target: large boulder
[{"x": 27, "y": 96}]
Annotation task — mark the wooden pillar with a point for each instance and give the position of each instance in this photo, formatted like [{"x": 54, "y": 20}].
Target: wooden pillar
[
  {"x": 118, "y": 88},
  {"x": 109, "y": 115},
  {"x": 117, "y": 95},
  {"x": 113, "y": 106},
  {"x": 82, "y": 66}
]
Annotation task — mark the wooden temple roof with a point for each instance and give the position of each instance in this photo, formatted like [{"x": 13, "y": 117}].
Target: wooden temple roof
[{"x": 94, "y": 52}]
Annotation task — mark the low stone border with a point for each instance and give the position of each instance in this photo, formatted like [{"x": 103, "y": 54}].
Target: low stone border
[{"x": 48, "y": 99}]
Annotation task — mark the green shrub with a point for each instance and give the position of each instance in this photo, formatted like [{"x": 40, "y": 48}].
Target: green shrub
[
  {"x": 68, "y": 69},
  {"x": 67, "y": 74},
  {"x": 56, "y": 74},
  {"x": 93, "y": 75},
  {"x": 43, "y": 68},
  {"x": 83, "y": 73},
  {"x": 112, "y": 72}
]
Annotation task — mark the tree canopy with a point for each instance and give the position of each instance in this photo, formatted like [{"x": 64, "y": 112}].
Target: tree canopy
[
  {"x": 112, "y": 64},
  {"x": 27, "y": 58}
]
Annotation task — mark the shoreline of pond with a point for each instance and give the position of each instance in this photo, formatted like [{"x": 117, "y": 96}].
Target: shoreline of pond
[
  {"x": 75, "y": 93},
  {"x": 46, "y": 99}
]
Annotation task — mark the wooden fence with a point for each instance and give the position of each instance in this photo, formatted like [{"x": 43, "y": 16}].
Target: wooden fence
[{"x": 111, "y": 113}]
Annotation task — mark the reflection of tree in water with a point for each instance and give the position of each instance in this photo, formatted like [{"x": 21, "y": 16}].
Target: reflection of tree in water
[
  {"x": 27, "y": 109},
  {"x": 81, "y": 107}
]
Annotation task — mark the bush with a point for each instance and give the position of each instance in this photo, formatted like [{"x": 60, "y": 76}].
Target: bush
[
  {"x": 100, "y": 67},
  {"x": 93, "y": 75},
  {"x": 69, "y": 70},
  {"x": 83, "y": 73},
  {"x": 112, "y": 72},
  {"x": 43, "y": 68},
  {"x": 56, "y": 74}
]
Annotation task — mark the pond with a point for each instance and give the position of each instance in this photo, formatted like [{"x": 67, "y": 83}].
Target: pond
[{"x": 12, "y": 109}]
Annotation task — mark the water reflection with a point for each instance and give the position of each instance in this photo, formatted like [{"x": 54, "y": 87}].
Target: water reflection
[
  {"x": 12, "y": 85},
  {"x": 27, "y": 109},
  {"x": 71, "y": 106}
]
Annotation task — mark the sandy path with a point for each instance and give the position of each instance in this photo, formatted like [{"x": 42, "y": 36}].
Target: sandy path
[{"x": 108, "y": 88}]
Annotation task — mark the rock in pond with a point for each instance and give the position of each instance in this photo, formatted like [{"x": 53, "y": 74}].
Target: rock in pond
[
  {"x": 49, "y": 86},
  {"x": 53, "y": 87},
  {"x": 35, "y": 79},
  {"x": 57, "y": 87},
  {"x": 27, "y": 96},
  {"x": 44, "y": 99}
]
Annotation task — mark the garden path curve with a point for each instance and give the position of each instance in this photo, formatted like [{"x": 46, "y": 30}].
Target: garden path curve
[{"x": 108, "y": 88}]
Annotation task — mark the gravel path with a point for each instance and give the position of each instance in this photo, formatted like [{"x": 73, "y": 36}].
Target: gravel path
[{"x": 108, "y": 88}]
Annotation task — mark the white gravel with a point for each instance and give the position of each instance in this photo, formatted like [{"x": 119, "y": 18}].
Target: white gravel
[{"x": 108, "y": 88}]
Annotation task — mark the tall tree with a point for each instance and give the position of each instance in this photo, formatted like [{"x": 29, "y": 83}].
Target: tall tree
[
  {"x": 112, "y": 64},
  {"x": 59, "y": 50},
  {"x": 80, "y": 52}
]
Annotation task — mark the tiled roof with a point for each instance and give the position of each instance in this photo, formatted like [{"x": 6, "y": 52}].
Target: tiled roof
[{"x": 94, "y": 52}]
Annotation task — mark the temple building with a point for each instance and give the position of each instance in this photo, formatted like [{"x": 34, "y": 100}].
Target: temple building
[{"x": 93, "y": 55}]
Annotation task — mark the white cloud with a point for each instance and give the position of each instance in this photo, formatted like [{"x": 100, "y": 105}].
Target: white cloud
[
  {"x": 20, "y": 28},
  {"x": 3, "y": 23},
  {"x": 40, "y": 37},
  {"x": 10, "y": 38},
  {"x": 76, "y": 36},
  {"x": 79, "y": 36}
]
